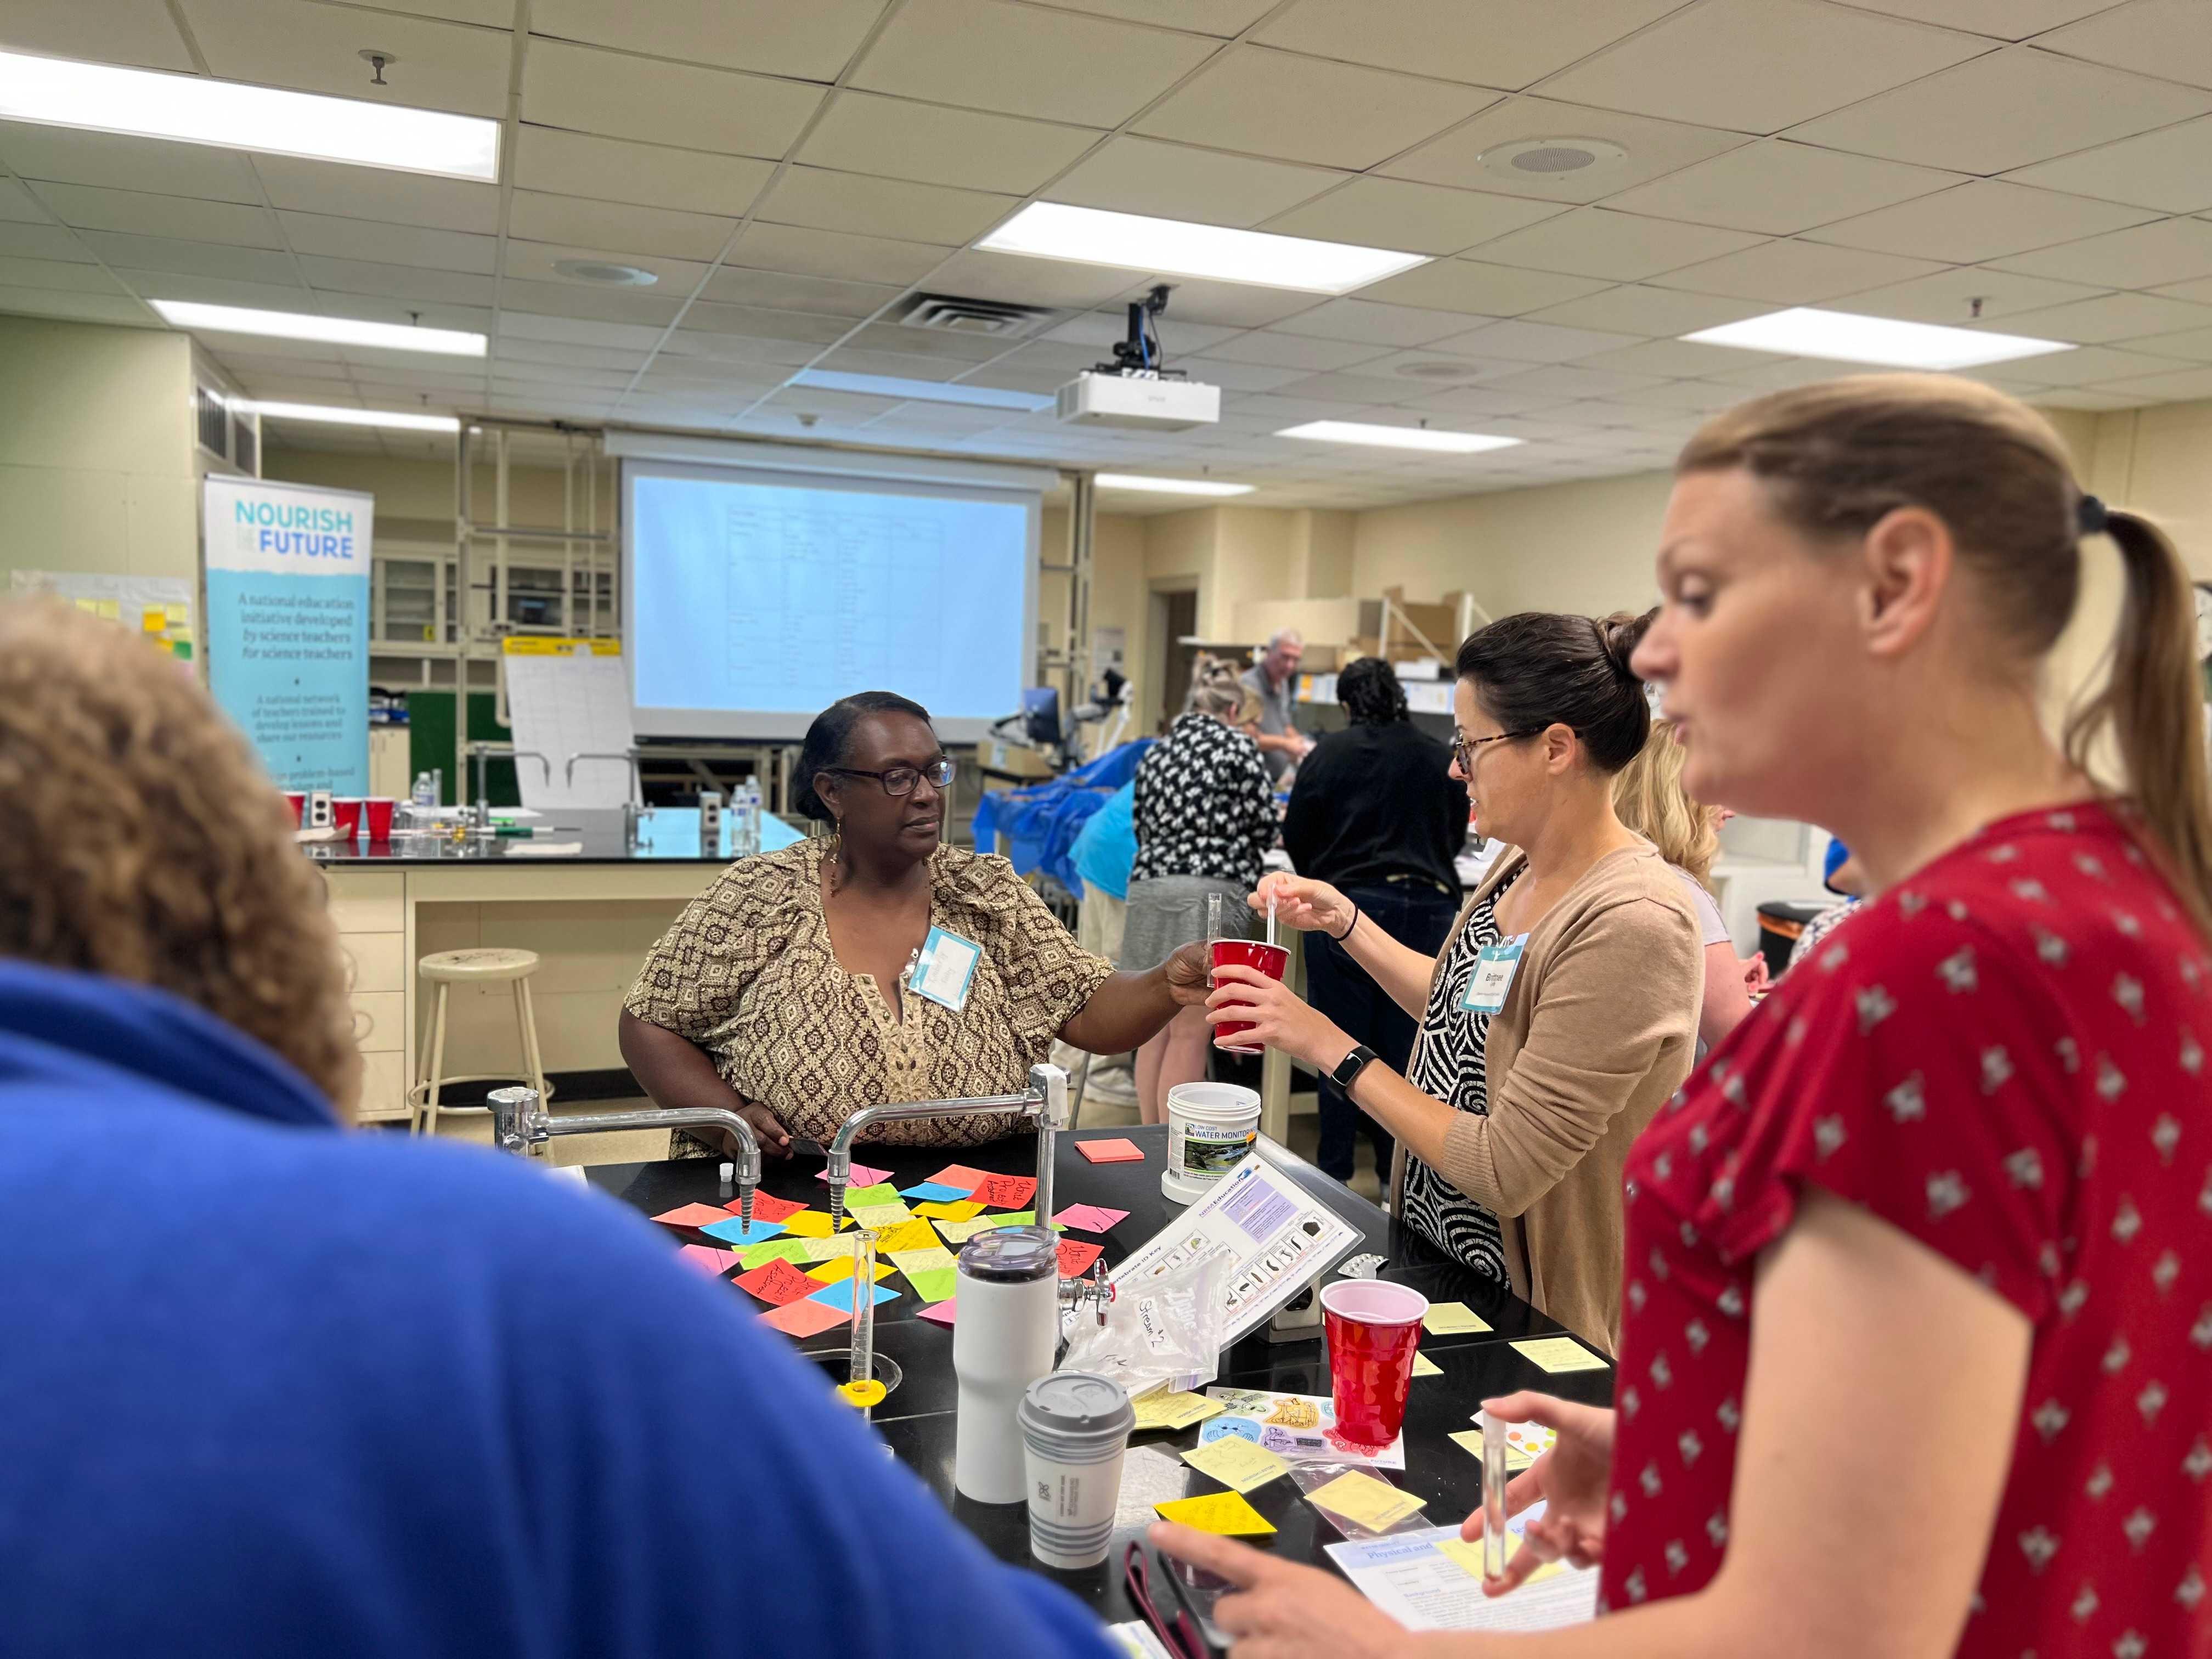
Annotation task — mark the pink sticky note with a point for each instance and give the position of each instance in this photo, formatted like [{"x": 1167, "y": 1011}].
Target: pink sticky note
[
  {"x": 1001, "y": 1192},
  {"x": 859, "y": 1175},
  {"x": 707, "y": 1260},
  {"x": 692, "y": 1215},
  {"x": 960, "y": 1176},
  {"x": 777, "y": 1282},
  {"x": 1110, "y": 1152},
  {"x": 1092, "y": 1217},
  {"x": 802, "y": 1319},
  {"x": 1075, "y": 1256},
  {"x": 766, "y": 1207},
  {"x": 941, "y": 1313}
]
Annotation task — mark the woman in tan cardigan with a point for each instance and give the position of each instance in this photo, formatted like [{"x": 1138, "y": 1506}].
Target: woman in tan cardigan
[{"x": 1563, "y": 1009}]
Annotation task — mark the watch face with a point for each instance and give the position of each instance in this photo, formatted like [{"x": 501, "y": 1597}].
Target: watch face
[{"x": 2203, "y": 623}]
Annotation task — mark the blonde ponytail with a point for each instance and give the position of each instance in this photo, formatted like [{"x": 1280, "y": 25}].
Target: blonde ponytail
[{"x": 2152, "y": 705}]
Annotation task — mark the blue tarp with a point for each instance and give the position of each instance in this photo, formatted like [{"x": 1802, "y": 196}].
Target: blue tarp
[{"x": 1040, "y": 823}]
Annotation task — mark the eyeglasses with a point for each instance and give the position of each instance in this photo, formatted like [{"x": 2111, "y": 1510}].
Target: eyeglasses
[
  {"x": 1463, "y": 746},
  {"x": 901, "y": 780},
  {"x": 1182, "y": 1639}
]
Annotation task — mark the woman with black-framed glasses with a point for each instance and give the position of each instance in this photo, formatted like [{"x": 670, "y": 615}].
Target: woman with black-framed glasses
[{"x": 876, "y": 965}]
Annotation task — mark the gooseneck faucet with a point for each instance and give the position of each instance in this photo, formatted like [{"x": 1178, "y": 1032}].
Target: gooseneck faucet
[
  {"x": 521, "y": 1124},
  {"x": 1045, "y": 1100}
]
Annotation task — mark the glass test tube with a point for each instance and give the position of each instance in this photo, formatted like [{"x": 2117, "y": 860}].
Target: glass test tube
[
  {"x": 1213, "y": 930},
  {"x": 1493, "y": 1496},
  {"x": 863, "y": 1366}
]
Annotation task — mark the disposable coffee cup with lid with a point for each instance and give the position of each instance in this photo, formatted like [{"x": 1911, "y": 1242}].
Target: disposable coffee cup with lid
[{"x": 1075, "y": 1426}]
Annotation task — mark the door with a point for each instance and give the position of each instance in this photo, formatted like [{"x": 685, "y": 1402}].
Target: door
[{"x": 1175, "y": 620}]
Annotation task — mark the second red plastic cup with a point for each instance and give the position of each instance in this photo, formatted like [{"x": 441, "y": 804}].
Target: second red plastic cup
[
  {"x": 345, "y": 816},
  {"x": 376, "y": 816},
  {"x": 1374, "y": 1327},
  {"x": 1272, "y": 960}
]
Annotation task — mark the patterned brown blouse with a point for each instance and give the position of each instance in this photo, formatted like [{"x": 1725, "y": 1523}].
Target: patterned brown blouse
[{"x": 748, "y": 973}]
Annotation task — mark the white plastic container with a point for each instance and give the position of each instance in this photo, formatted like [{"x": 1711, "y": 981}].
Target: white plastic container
[
  {"x": 1211, "y": 1127},
  {"x": 1003, "y": 1341}
]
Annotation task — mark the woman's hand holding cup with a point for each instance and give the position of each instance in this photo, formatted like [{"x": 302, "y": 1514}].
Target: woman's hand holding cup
[{"x": 1307, "y": 906}]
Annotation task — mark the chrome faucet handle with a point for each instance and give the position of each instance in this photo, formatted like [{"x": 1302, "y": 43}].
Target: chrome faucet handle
[
  {"x": 520, "y": 1122},
  {"x": 1092, "y": 1289}
]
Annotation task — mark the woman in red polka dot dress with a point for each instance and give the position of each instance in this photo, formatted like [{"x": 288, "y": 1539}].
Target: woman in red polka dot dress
[{"x": 1916, "y": 1351}]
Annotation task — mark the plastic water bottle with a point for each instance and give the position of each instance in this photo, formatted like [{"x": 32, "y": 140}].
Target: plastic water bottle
[
  {"x": 426, "y": 792},
  {"x": 747, "y": 834}
]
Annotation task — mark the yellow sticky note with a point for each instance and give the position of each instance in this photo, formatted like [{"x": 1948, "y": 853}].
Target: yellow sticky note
[
  {"x": 1559, "y": 1353},
  {"x": 1236, "y": 1462},
  {"x": 1376, "y": 1504},
  {"x": 937, "y": 1260},
  {"x": 152, "y": 619},
  {"x": 1468, "y": 1556},
  {"x": 906, "y": 1236},
  {"x": 109, "y": 610},
  {"x": 1224, "y": 1513},
  {"x": 840, "y": 1268},
  {"x": 1424, "y": 1366},
  {"x": 1174, "y": 1411},
  {"x": 176, "y": 614},
  {"x": 876, "y": 1218},
  {"x": 1452, "y": 1319},
  {"x": 808, "y": 1224},
  {"x": 1470, "y": 1442},
  {"x": 959, "y": 1232},
  {"x": 966, "y": 1210}
]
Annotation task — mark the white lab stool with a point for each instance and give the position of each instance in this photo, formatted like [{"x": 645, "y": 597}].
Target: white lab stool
[{"x": 482, "y": 965}]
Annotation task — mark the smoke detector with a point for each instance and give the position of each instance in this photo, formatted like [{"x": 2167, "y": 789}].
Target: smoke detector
[
  {"x": 947, "y": 314},
  {"x": 1543, "y": 158},
  {"x": 604, "y": 272}
]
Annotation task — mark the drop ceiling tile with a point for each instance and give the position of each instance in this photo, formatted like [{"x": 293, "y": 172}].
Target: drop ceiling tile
[
  {"x": 1690, "y": 396},
  {"x": 1053, "y": 66},
  {"x": 1279, "y": 105},
  {"x": 1759, "y": 65},
  {"x": 1291, "y": 351},
  {"x": 1036, "y": 382},
  {"x": 1471, "y": 286},
  {"x": 1093, "y": 332},
  {"x": 1621, "y": 247},
  {"x": 165, "y": 254},
  {"x": 2170, "y": 170},
  {"x": 139, "y": 33},
  {"x": 1129, "y": 174},
  {"x": 1632, "y": 308},
  {"x": 1352, "y": 387},
  {"x": 655, "y": 101},
  {"x": 2171, "y": 40},
  {"x": 2197, "y": 293},
  {"x": 121, "y": 162},
  {"x": 1680, "y": 359},
  {"x": 403, "y": 198},
  {"x": 83, "y": 308},
  {"x": 1781, "y": 376},
  {"x": 1566, "y": 380},
  {"x": 2085, "y": 366},
  {"x": 1501, "y": 42},
  {"x": 1236, "y": 377},
  {"x": 1366, "y": 320},
  {"x": 515, "y": 324},
  {"x": 1537, "y": 342},
  {"x": 435, "y": 65},
  {"x": 1481, "y": 401},
  {"x": 1228, "y": 305},
  {"x": 57, "y": 273},
  {"x": 581, "y": 222},
  {"x": 2076, "y": 397},
  {"x": 1220, "y": 18},
  {"x": 2002, "y": 19},
  {"x": 406, "y": 245},
  {"x": 535, "y": 261},
  {"x": 900, "y": 138},
  {"x": 2190, "y": 345},
  {"x": 1018, "y": 280},
  {"x": 2170, "y": 250},
  {"x": 808, "y": 42},
  {"x": 398, "y": 282},
  {"x": 2188, "y": 383},
  {"x": 220, "y": 291},
  {"x": 1396, "y": 213},
  {"x": 488, "y": 14},
  {"x": 511, "y": 348},
  {"x": 1984, "y": 219},
  {"x": 799, "y": 252},
  {"x": 1777, "y": 188},
  {"x": 778, "y": 292},
  {"x": 647, "y": 175},
  {"x": 2005, "y": 110},
  {"x": 967, "y": 349},
  {"x": 1426, "y": 366},
  {"x": 1794, "y": 273},
  {"x": 18, "y": 205},
  {"x": 88, "y": 207},
  {"x": 1948, "y": 296},
  {"x": 820, "y": 199},
  {"x": 603, "y": 305},
  {"x": 2107, "y": 317},
  {"x": 804, "y": 328},
  {"x": 847, "y": 360}
]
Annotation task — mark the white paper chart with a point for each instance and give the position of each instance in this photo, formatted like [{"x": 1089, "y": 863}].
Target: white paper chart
[{"x": 568, "y": 697}]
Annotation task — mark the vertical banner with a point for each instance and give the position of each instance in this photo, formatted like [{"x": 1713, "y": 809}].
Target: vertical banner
[{"x": 288, "y": 626}]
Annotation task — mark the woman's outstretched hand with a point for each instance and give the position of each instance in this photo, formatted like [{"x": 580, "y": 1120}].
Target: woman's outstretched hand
[
  {"x": 1305, "y": 907},
  {"x": 1571, "y": 1479}
]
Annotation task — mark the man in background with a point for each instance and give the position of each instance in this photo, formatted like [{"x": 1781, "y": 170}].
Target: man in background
[{"x": 1274, "y": 680}]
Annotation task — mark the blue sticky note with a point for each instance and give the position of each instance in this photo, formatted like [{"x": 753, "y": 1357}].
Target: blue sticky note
[
  {"x": 734, "y": 1230},
  {"x": 936, "y": 1191},
  {"x": 840, "y": 1296}
]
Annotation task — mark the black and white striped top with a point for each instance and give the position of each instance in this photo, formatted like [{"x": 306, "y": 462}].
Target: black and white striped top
[{"x": 1448, "y": 1065}]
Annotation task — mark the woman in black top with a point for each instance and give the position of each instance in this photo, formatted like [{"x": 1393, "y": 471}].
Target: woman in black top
[
  {"x": 1205, "y": 817},
  {"x": 1376, "y": 814}
]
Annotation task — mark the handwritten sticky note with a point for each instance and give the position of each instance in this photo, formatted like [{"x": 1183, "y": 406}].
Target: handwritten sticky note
[
  {"x": 733, "y": 1229},
  {"x": 1076, "y": 1256},
  {"x": 1376, "y": 1504},
  {"x": 1115, "y": 1151},
  {"x": 935, "y": 1192},
  {"x": 766, "y": 1206},
  {"x": 713, "y": 1262},
  {"x": 839, "y": 1295},
  {"x": 1236, "y": 1463},
  {"x": 959, "y": 1176},
  {"x": 808, "y": 1224},
  {"x": 859, "y": 1175},
  {"x": 777, "y": 1283},
  {"x": 862, "y": 1198},
  {"x": 1452, "y": 1319},
  {"x": 841, "y": 1267},
  {"x": 1003, "y": 1191},
  {"x": 942, "y": 1314},
  {"x": 1090, "y": 1218},
  {"x": 877, "y": 1217},
  {"x": 805, "y": 1318},
  {"x": 691, "y": 1215},
  {"x": 1175, "y": 1410},
  {"x": 908, "y": 1236},
  {"x": 964, "y": 1210},
  {"x": 1559, "y": 1353},
  {"x": 778, "y": 1249},
  {"x": 1224, "y": 1513},
  {"x": 939, "y": 1259},
  {"x": 1424, "y": 1366}
]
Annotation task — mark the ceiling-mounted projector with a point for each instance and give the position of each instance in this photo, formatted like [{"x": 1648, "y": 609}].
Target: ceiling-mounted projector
[{"x": 1134, "y": 390}]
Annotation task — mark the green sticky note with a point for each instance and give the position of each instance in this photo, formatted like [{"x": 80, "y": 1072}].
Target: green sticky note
[
  {"x": 776, "y": 1249},
  {"x": 939, "y": 1284},
  {"x": 860, "y": 1198}
]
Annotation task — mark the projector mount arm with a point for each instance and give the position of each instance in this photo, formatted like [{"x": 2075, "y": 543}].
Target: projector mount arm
[{"x": 1141, "y": 354}]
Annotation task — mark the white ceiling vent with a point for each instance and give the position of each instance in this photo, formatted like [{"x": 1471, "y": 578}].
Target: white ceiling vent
[
  {"x": 948, "y": 315},
  {"x": 1440, "y": 368},
  {"x": 1543, "y": 157}
]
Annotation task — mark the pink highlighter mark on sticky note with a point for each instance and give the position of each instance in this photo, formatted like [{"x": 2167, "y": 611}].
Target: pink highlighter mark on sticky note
[
  {"x": 1110, "y": 1152},
  {"x": 859, "y": 1175},
  {"x": 691, "y": 1215},
  {"x": 941, "y": 1313}
]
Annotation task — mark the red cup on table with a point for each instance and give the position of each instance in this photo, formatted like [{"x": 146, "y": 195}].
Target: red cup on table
[
  {"x": 376, "y": 816},
  {"x": 297, "y": 801},
  {"x": 1374, "y": 1327},
  {"x": 1272, "y": 960},
  {"x": 345, "y": 816}
]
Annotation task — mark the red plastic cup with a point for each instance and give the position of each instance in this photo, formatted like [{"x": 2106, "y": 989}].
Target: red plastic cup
[
  {"x": 376, "y": 816},
  {"x": 297, "y": 801},
  {"x": 345, "y": 816},
  {"x": 1374, "y": 1327},
  {"x": 1272, "y": 960}
]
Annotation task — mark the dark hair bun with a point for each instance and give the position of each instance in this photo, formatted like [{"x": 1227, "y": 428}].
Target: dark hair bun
[
  {"x": 1623, "y": 633},
  {"x": 1537, "y": 668},
  {"x": 828, "y": 739}
]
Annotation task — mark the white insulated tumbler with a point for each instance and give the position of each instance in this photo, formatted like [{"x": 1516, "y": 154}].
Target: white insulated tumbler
[{"x": 1002, "y": 1341}]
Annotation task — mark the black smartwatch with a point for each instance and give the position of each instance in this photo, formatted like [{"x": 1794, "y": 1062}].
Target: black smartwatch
[{"x": 1351, "y": 1067}]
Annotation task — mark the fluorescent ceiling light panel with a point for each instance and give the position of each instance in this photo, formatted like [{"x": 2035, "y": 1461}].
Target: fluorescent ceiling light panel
[
  {"x": 1396, "y": 437},
  {"x": 931, "y": 392},
  {"x": 303, "y": 325},
  {"x": 1846, "y": 337},
  {"x": 194, "y": 109},
  {"x": 1170, "y": 248},
  {"x": 333, "y": 416},
  {"x": 1170, "y": 486}
]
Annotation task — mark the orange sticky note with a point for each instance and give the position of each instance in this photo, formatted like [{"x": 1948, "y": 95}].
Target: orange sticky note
[
  {"x": 767, "y": 1207},
  {"x": 692, "y": 1215},
  {"x": 1110, "y": 1152},
  {"x": 1004, "y": 1192},
  {"x": 804, "y": 1318},
  {"x": 960, "y": 1176}
]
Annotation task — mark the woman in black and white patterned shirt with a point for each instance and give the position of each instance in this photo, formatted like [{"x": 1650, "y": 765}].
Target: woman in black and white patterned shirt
[{"x": 1205, "y": 817}]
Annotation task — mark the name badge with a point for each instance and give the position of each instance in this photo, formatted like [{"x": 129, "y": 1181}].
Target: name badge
[
  {"x": 1492, "y": 977},
  {"x": 944, "y": 969}
]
